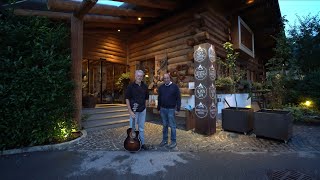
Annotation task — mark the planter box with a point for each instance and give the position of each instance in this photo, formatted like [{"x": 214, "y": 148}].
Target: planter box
[
  {"x": 274, "y": 124},
  {"x": 239, "y": 120}
]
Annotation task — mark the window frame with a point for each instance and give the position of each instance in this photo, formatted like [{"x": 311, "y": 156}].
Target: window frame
[{"x": 242, "y": 46}]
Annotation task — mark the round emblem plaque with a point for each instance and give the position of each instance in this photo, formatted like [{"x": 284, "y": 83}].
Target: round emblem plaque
[
  {"x": 201, "y": 91},
  {"x": 200, "y": 54},
  {"x": 213, "y": 110},
  {"x": 201, "y": 110},
  {"x": 212, "y": 54},
  {"x": 212, "y": 73},
  {"x": 200, "y": 72}
]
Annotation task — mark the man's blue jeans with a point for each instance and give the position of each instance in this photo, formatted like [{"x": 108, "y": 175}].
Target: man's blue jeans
[
  {"x": 168, "y": 119},
  {"x": 140, "y": 120}
]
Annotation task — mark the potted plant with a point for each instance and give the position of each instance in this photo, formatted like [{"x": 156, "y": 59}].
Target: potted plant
[
  {"x": 224, "y": 84},
  {"x": 123, "y": 82},
  {"x": 235, "y": 118},
  {"x": 275, "y": 122}
]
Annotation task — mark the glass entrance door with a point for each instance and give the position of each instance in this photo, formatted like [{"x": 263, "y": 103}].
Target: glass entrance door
[{"x": 99, "y": 78}]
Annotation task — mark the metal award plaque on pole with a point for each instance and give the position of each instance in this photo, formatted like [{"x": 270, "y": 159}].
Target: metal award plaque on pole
[{"x": 205, "y": 89}]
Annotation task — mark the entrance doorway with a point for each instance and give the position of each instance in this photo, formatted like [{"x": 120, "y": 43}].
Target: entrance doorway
[{"x": 99, "y": 79}]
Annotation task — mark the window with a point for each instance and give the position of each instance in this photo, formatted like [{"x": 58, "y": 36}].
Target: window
[{"x": 246, "y": 38}]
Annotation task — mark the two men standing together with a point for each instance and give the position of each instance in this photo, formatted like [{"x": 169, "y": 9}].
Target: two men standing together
[{"x": 169, "y": 102}]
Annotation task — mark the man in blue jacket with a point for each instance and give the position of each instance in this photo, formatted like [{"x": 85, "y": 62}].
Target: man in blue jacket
[{"x": 169, "y": 102}]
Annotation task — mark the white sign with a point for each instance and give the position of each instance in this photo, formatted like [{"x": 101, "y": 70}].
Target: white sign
[{"x": 191, "y": 85}]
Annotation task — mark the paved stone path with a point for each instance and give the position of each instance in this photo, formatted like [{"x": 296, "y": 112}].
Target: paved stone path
[{"x": 305, "y": 138}]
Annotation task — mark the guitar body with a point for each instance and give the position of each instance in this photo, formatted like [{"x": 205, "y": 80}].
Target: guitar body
[{"x": 132, "y": 143}]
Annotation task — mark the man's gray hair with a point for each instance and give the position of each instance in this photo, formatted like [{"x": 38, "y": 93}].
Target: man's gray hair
[{"x": 139, "y": 72}]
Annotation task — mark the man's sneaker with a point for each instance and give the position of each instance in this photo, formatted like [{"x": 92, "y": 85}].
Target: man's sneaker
[
  {"x": 172, "y": 145},
  {"x": 144, "y": 147},
  {"x": 163, "y": 143}
]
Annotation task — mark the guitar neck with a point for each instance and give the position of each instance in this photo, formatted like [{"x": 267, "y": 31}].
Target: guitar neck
[{"x": 134, "y": 122}]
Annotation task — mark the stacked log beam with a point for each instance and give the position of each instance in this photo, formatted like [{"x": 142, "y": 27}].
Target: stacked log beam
[
  {"x": 218, "y": 29},
  {"x": 176, "y": 42},
  {"x": 110, "y": 47}
]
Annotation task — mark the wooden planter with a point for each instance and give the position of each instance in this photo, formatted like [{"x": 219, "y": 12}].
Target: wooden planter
[
  {"x": 238, "y": 120},
  {"x": 274, "y": 124}
]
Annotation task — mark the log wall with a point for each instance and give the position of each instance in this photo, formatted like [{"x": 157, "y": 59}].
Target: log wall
[
  {"x": 170, "y": 42},
  {"x": 175, "y": 39},
  {"x": 106, "y": 46}
]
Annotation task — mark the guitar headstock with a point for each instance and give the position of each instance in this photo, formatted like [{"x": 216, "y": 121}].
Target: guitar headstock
[{"x": 135, "y": 107}]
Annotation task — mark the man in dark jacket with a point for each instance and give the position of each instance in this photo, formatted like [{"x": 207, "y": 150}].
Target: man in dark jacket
[
  {"x": 137, "y": 92},
  {"x": 169, "y": 102}
]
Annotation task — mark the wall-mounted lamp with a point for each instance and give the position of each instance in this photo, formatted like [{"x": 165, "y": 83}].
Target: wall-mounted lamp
[
  {"x": 249, "y": 1},
  {"x": 139, "y": 18},
  {"x": 118, "y": 30}
]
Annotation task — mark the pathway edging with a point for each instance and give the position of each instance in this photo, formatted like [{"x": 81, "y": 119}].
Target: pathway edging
[{"x": 50, "y": 147}]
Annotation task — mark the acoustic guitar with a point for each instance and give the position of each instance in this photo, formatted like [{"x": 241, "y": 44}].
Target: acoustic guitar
[{"x": 132, "y": 143}]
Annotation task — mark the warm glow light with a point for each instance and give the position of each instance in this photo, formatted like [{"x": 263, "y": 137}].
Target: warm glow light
[
  {"x": 118, "y": 30},
  {"x": 250, "y": 1},
  {"x": 308, "y": 103},
  {"x": 147, "y": 75},
  {"x": 249, "y": 106},
  {"x": 139, "y": 18}
]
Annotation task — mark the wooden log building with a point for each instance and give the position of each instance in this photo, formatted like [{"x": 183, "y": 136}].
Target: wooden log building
[{"x": 158, "y": 36}]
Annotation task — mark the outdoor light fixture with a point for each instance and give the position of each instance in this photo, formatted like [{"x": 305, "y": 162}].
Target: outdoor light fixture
[
  {"x": 308, "y": 103},
  {"x": 118, "y": 30},
  {"x": 139, "y": 18},
  {"x": 249, "y": 1}
]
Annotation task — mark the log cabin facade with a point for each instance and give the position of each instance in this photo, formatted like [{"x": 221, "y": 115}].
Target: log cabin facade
[{"x": 157, "y": 37}]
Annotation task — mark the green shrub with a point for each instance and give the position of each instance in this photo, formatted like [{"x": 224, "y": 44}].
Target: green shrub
[
  {"x": 35, "y": 85},
  {"x": 301, "y": 113},
  {"x": 308, "y": 87},
  {"x": 224, "y": 83}
]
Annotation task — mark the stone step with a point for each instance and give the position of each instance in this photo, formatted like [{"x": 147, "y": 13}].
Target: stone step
[
  {"x": 105, "y": 115},
  {"x": 109, "y": 126},
  {"x": 102, "y": 110},
  {"x": 105, "y": 123}
]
